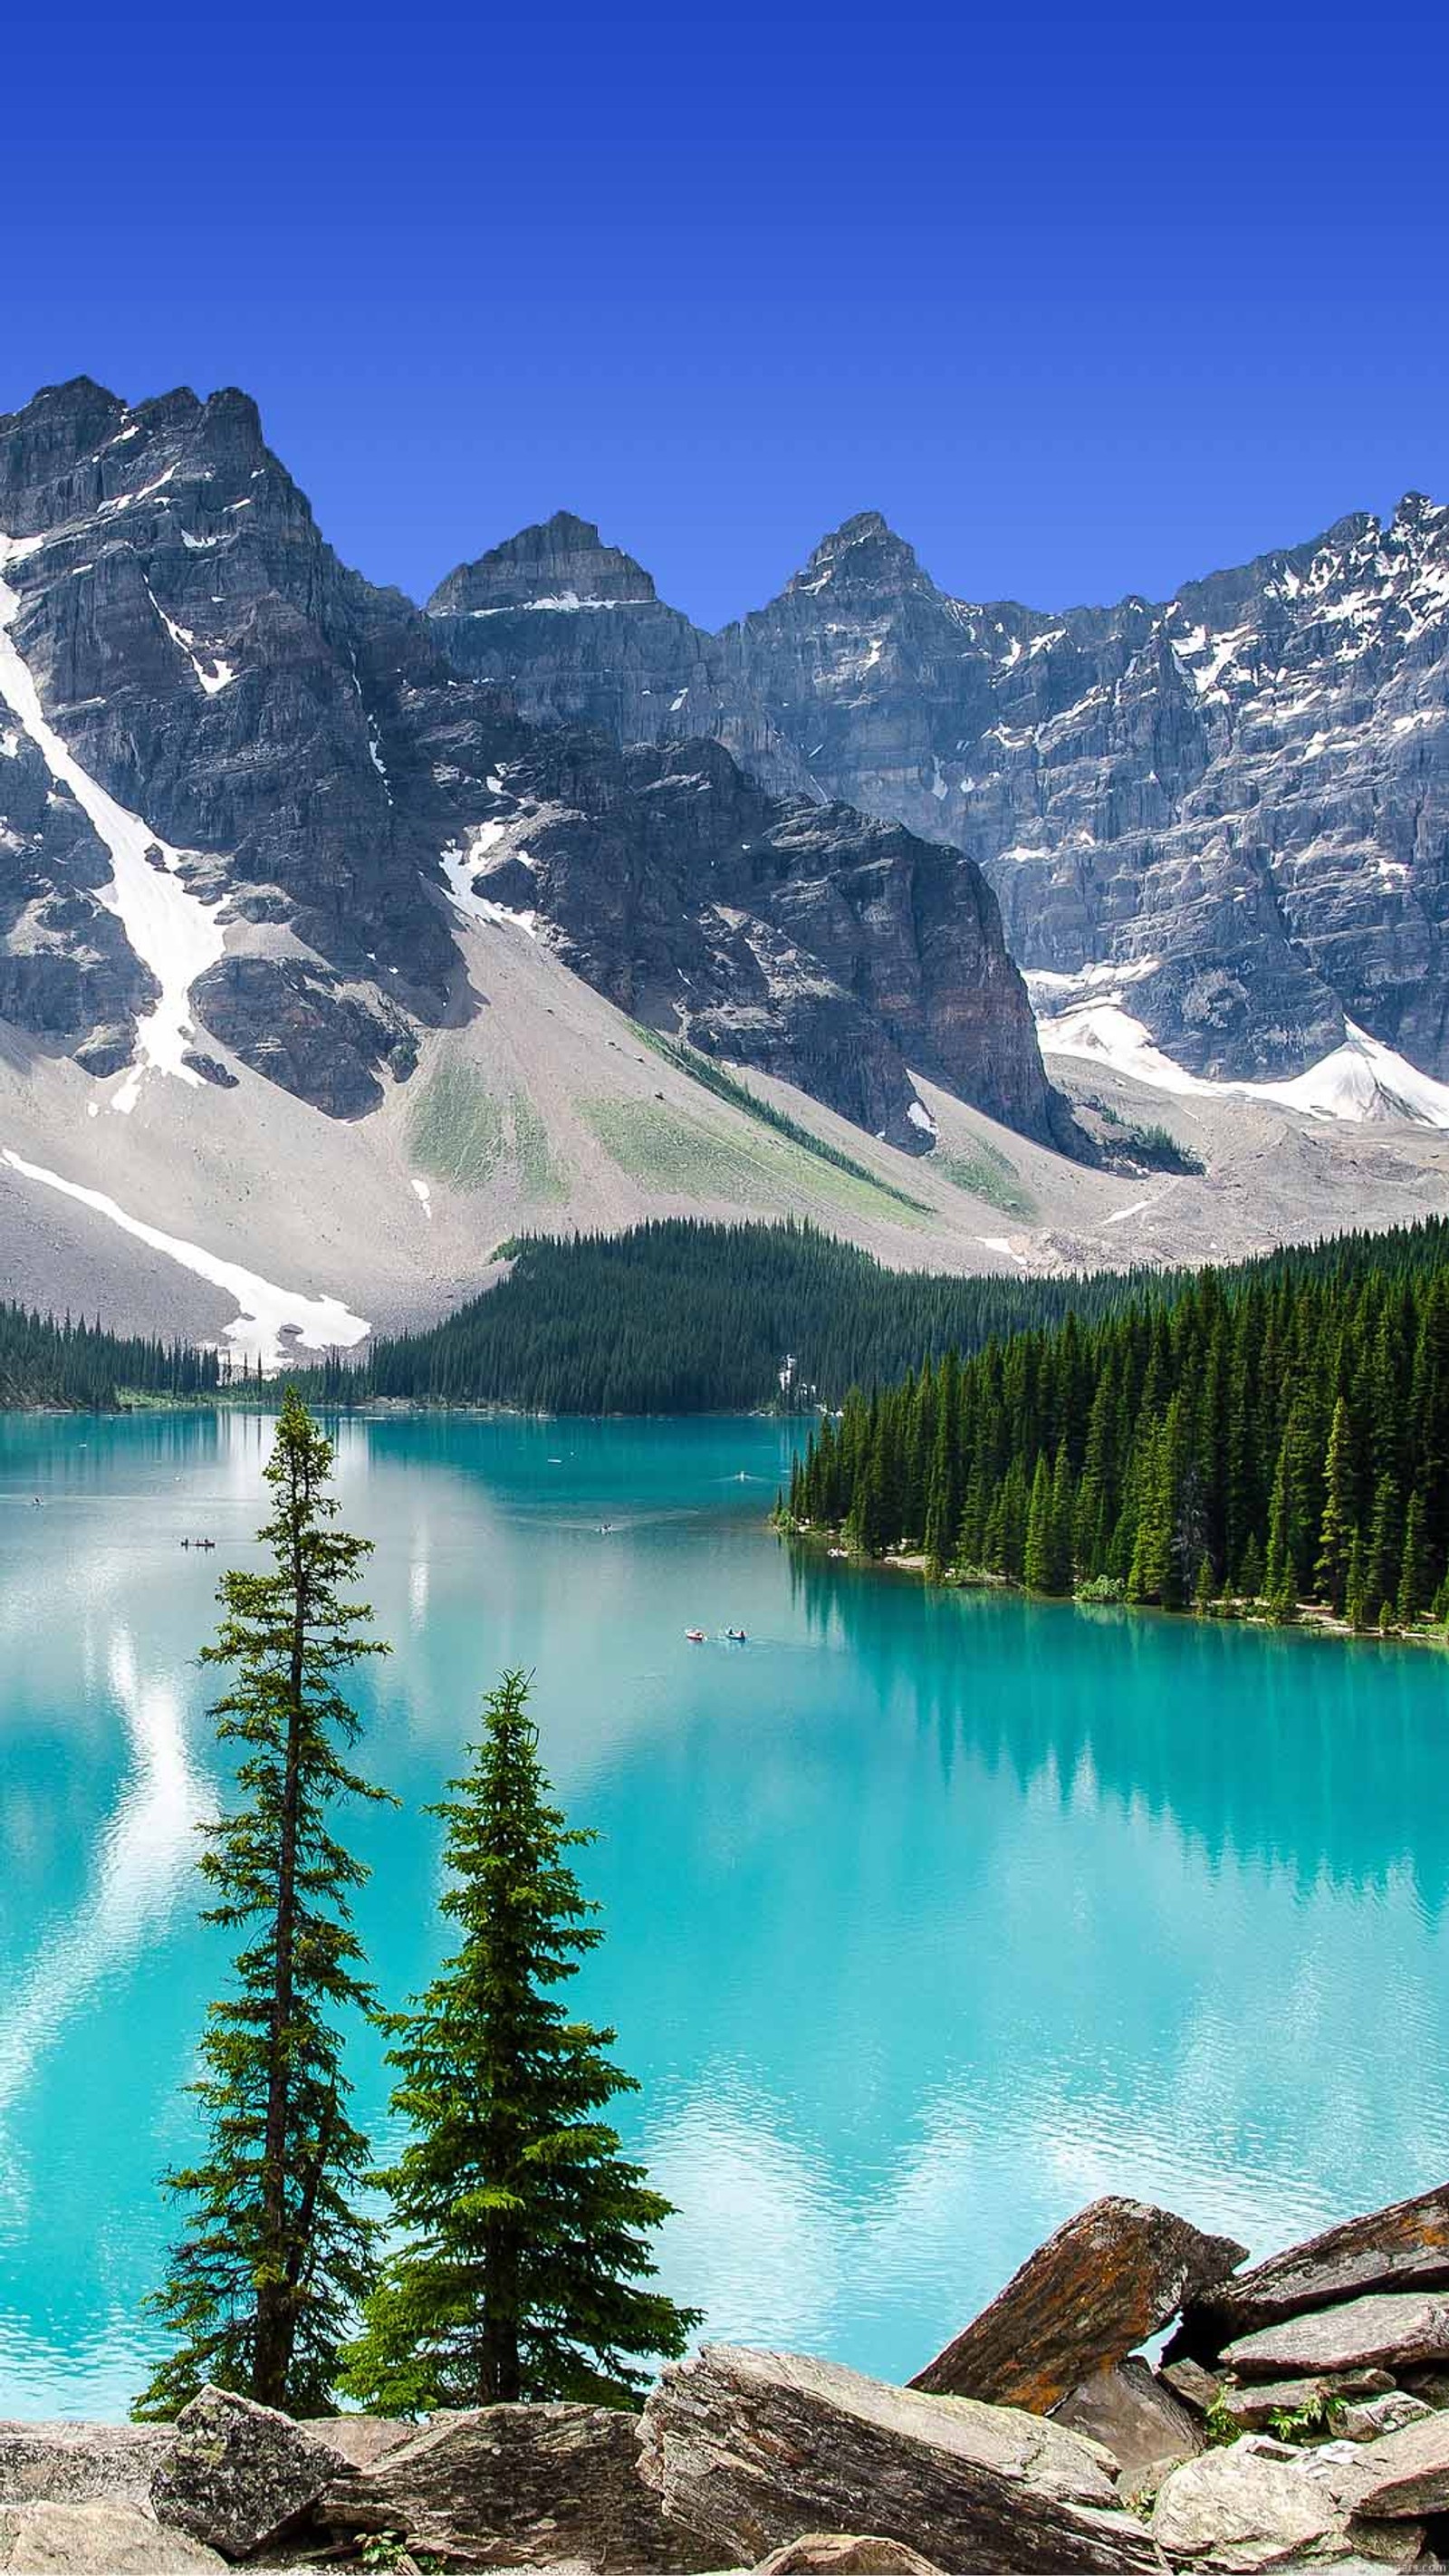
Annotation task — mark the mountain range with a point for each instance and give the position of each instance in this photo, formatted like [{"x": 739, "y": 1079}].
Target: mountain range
[{"x": 341, "y": 937}]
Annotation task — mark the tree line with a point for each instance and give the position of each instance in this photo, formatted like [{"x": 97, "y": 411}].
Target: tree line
[
  {"x": 81, "y": 1367},
  {"x": 1278, "y": 1434},
  {"x": 518, "y": 2260},
  {"x": 685, "y": 1316}
]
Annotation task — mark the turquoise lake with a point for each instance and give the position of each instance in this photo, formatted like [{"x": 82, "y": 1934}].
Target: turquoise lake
[{"x": 929, "y": 1916}]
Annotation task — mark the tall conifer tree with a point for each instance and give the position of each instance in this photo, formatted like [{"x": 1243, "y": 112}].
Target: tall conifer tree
[
  {"x": 526, "y": 2234},
  {"x": 277, "y": 2256}
]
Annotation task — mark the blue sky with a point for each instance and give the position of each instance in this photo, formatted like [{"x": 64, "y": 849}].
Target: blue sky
[{"x": 1084, "y": 301}]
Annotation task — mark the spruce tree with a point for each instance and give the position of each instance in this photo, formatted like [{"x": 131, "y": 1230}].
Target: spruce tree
[
  {"x": 263, "y": 2286},
  {"x": 525, "y": 2232}
]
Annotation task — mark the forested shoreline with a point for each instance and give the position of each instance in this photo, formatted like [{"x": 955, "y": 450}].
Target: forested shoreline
[{"x": 1277, "y": 1436}]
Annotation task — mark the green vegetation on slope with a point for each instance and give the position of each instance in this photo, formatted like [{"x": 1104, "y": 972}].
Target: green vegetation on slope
[
  {"x": 725, "y": 1086},
  {"x": 81, "y": 1367},
  {"x": 1279, "y": 1432},
  {"x": 464, "y": 1133}
]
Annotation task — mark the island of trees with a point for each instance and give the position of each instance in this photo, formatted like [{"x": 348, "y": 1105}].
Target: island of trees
[{"x": 1277, "y": 1436}]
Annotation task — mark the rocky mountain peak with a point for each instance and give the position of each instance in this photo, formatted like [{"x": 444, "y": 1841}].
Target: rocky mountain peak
[
  {"x": 864, "y": 554},
  {"x": 560, "y": 563}
]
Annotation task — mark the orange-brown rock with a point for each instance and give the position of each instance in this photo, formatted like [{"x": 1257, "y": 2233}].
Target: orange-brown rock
[{"x": 1083, "y": 2301}]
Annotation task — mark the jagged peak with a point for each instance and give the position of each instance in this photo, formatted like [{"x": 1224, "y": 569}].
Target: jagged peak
[
  {"x": 562, "y": 559},
  {"x": 866, "y": 552}
]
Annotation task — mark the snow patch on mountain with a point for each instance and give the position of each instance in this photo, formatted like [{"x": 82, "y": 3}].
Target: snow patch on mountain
[
  {"x": 169, "y": 929},
  {"x": 272, "y": 1322},
  {"x": 1361, "y": 1080}
]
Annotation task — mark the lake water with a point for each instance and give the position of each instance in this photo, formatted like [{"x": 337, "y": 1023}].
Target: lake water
[{"x": 928, "y": 1916}]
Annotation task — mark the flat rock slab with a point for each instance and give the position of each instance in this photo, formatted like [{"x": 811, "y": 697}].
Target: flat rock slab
[
  {"x": 1081, "y": 2303},
  {"x": 519, "y": 2486},
  {"x": 1138, "y": 2420},
  {"x": 843, "y": 2553},
  {"x": 1408, "y": 2470},
  {"x": 1260, "y": 2504},
  {"x": 239, "y": 2473},
  {"x": 1253, "y": 2408},
  {"x": 1403, "y": 2247},
  {"x": 97, "y": 2540},
  {"x": 749, "y": 2451},
  {"x": 1384, "y": 2331},
  {"x": 81, "y": 2463},
  {"x": 1365, "y": 2419}
]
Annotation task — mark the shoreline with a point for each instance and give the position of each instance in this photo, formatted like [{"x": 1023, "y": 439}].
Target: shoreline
[{"x": 1313, "y": 1620}]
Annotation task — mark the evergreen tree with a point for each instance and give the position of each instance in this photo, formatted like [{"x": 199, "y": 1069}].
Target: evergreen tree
[
  {"x": 277, "y": 2257},
  {"x": 526, "y": 2233}
]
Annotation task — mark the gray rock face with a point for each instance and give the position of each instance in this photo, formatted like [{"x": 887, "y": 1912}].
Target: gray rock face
[
  {"x": 1132, "y": 2415},
  {"x": 1237, "y": 799},
  {"x": 576, "y": 634},
  {"x": 1364, "y": 2419},
  {"x": 1384, "y": 2331},
  {"x": 238, "y": 2473},
  {"x": 71, "y": 2463},
  {"x": 96, "y": 2540},
  {"x": 1104, "y": 2282},
  {"x": 749, "y": 2451},
  {"x": 519, "y": 2486},
  {"x": 291, "y": 747}
]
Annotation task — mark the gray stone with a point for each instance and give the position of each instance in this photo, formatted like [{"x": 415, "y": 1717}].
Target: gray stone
[
  {"x": 1408, "y": 2469},
  {"x": 361, "y": 2439},
  {"x": 1364, "y": 2419},
  {"x": 1198, "y": 2388},
  {"x": 67, "y": 2463},
  {"x": 1402, "y": 2247},
  {"x": 1254, "y": 2407},
  {"x": 239, "y": 2473},
  {"x": 1104, "y": 2282},
  {"x": 749, "y": 2451},
  {"x": 112, "y": 2539},
  {"x": 1139, "y": 2421},
  {"x": 840, "y": 2553},
  {"x": 1262, "y": 2504},
  {"x": 1385, "y": 2331},
  {"x": 518, "y": 2486}
]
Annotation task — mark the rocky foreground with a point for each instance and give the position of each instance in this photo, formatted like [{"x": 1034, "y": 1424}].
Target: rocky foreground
[{"x": 1298, "y": 2419}]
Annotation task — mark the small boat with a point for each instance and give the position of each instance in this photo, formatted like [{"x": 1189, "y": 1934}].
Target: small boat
[
  {"x": 695, "y": 1636},
  {"x": 736, "y": 1636}
]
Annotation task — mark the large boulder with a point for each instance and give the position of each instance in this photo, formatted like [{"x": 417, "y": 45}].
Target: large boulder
[
  {"x": 96, "y": 2540},
  {"x": 749, "y": 2451},
  {"x": 518, "y": 2486},
  {"x": 1138, "y": 2420},
  {"x": 81, "y": 2463},
  {"x": 1365, "y": 2419},
  {"x": 239, "y": 2473},
  {"x": 1407, "y": 2470},
  {"x": 1084, "y": 2300},
  {"x": 1262, "y": 2504},
  {"x": 1403, "y": 2247},
  {"x": 1382, "y": 2332}
]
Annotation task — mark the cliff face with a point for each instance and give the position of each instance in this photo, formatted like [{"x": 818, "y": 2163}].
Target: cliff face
[
  {"x": 1228, "y": 814},
  {"x": 244, "y": 796},
  {"x": 574, "y": 631}
]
